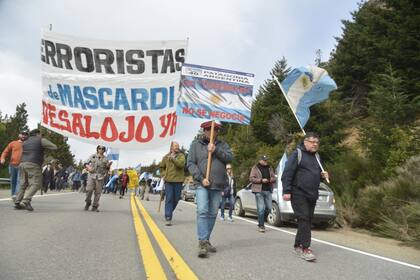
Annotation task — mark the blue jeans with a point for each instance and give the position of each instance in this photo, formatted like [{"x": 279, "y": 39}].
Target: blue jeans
[
  {"x": 14, "y": 179},
  {"x": 207, "y": 205},
  {"x": 264, "y": 201},
  {"x": 172, "y": 196},
  {"x": 222, "y": 206}
]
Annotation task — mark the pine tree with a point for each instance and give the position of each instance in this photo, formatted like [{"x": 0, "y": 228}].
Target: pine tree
[
  {"x": 380, "y": 33},
  {"x": 17, "y": 123},
  {"x": 62, "y": 154}
]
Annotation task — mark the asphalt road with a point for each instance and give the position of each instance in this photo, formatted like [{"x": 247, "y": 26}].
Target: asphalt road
[{"x": 59, "y": 240}]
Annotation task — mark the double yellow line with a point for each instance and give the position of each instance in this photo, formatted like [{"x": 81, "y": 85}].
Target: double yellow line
[{"x": 151, "y": 262}]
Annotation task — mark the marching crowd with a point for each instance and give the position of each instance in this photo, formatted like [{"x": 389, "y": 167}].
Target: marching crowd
[{"x": 215, "y": 185}]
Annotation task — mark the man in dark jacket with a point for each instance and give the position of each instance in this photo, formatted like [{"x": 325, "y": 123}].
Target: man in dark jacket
[
  {"x": 262, "y": 178},
  {"x": 209, "y": 190},
  {"x": 30, "y": 168},
  {"x": 47, "y": 177},
  {"x": 301, "y": 178}
]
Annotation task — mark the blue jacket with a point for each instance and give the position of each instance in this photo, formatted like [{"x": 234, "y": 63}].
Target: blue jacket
[{"x": 304, "y": 177}]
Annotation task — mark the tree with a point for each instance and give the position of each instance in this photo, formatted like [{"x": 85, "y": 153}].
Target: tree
[
  {"x": 380, "y": 33},
  {"x": 389, "y": 136},
  {"x": 17, "y": 123},
  {"x": 62, "y": 154}
]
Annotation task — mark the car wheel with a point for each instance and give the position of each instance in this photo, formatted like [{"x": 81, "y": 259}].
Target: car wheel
[
  {"x": 322, "y": 225},
  {"x": 239, "y": 211},
  {"x": 273, "y": 217}
]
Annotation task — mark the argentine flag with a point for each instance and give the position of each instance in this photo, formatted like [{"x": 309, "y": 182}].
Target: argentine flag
[
  {"x": 306, "y": 86},
  {"x": 112, "y": 154}
]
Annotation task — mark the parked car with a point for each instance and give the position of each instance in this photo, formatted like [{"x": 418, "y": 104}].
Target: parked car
[
  {"x": 324, "y": 216},
  {"x": 188, "y": 192}
]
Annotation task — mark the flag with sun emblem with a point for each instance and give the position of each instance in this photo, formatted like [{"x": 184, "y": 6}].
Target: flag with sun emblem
[
  {"x": 215, "y": 94},
  {"x": 306, "y": 86}
]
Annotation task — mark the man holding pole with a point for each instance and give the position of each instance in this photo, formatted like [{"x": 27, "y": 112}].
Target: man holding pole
[
  {"x": 301, "y": 178},
  {"x": 207, "y": 161},
  {"x": 172, "y": 167}
]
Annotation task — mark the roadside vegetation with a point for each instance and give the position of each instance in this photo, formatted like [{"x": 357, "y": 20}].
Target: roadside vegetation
[{"x": 369, "y": 127}]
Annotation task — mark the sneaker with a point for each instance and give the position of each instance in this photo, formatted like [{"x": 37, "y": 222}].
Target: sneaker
[
  {"x": 298, "y": 250},
  {"x": 18, "y": 206},
  {"x": 210, "y": 247},
  {"x": 168, "y": 222},
  {"x": 202, "y": 249},
  {"x": 230, "y": 219},
  {"x": 222, "y": 218},
  {"x": 87, "y": 206},
  {"x": 307, "y": 255},
  {"x": 28, "y": 206},
  {"x": 261, "y": 229},
  {"x": 95, "y": 209}
]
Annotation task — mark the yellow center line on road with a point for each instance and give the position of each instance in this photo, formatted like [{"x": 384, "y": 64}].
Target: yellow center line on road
[
  {"x": 179, "y": 266},
  {"x": 151, "y": 262}
]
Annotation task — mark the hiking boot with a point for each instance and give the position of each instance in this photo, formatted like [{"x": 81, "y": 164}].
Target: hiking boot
[
  {"x": 18, "y": 206},
  {"x": 95, "y": 209},
  {"x": 202, "y": 249},
  {"x": 307, "y": 255},
  {"x": 28, "y": 206},
  {"x": 298, "y": 250},
  {"x": 87, "y": 206},
  {"x": 210, "y": 248},
  {"x": 261, "y": 229}
]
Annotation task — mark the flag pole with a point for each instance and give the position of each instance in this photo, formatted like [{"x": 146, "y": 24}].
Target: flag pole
[
  {"x": 304, "y": 133},
  {"x": 288, "y": 102},
  {"x": 209, "y": 153}
]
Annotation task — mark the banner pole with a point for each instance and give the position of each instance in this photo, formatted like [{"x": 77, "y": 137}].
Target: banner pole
[
  {"x": 162, "y": 192},
  {"x": 288, "y": 102},
  {"x": 209, "y": 153},
  {"x": 304, "y": 133}
]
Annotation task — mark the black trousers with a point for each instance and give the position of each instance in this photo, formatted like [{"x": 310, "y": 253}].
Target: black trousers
[
  {"x": 122, "y": 190},
  {"x": 304, "y": 211}
]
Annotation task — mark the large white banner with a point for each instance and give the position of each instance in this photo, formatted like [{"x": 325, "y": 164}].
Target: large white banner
[{"x": 116, "y": 93}]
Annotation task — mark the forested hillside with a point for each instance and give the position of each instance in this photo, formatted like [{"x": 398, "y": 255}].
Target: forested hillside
[{"x": 369, "y": 127}]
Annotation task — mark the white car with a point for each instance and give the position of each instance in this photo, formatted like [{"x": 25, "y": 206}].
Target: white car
[{"x": 324, "y": 216}]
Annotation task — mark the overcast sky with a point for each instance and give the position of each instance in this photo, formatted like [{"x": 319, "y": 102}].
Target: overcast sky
[{"x": 247, "y": 36}]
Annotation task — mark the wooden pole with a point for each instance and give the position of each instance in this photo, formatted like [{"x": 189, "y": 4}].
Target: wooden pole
[
  {"x": 209, "y": 153},
  {"x": 162, "y": 194}
]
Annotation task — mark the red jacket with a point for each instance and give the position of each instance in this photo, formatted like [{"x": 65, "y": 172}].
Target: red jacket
[{"x": 14, "y": 148}]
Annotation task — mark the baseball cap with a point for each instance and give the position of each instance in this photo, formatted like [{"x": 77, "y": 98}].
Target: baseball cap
[
  {"x": 263, "y": 157},
  {"x": 207, "y": 124}
]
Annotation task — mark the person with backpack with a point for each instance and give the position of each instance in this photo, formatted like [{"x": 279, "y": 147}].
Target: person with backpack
[
  {"x": 262, "y": 178},
  {"x": 172, "y": 168},
  {"x": 301, "y": 178}
]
